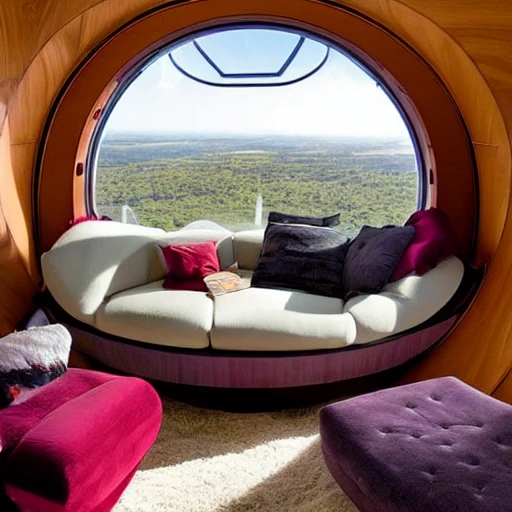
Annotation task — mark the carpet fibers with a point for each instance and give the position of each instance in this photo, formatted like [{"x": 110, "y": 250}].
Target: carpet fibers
[{"x": 212, "y": 461}]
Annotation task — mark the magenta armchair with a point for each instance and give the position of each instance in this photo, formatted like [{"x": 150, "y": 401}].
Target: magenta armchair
[{"x": 76, "y": 443}]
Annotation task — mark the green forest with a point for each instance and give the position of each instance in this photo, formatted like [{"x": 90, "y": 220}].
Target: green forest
[{"x": 169, "y": 181}]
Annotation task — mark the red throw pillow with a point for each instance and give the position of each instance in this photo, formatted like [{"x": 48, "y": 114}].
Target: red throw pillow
[
  {"x": 188, "y": 264},
  {"x": 433, "y": 241}
]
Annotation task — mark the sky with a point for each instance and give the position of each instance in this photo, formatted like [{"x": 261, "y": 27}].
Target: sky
[{"x": 339, "y": 100}]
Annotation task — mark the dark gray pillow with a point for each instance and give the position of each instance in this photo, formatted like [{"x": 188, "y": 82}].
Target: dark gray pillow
[
  {"x": 306, "y": 258},
  {"x": 285, "y": 218},
  {"x": 372, "y": 257}
]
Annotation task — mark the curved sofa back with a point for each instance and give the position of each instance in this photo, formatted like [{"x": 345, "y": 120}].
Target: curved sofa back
[
  {"x": 247, "y": 247},
  {"x": 96, "y": 259}
]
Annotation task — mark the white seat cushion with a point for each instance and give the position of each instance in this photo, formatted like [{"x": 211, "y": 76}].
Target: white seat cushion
[
  {"x": 150, "y": 313},
  {"x": 267, "y": 319},
  {"x": 405, "y": 303}
]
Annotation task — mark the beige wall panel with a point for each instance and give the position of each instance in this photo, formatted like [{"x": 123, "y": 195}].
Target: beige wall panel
[{"x": 42, "y": 80}]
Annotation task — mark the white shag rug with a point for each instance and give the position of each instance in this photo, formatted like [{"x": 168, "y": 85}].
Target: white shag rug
[{"x": 213, "y": 461}]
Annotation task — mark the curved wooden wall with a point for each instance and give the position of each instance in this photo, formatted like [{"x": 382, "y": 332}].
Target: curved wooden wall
[{"x": 468, "y": 44}]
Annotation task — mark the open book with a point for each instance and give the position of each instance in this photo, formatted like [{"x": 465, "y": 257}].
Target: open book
[{"x": 226, "y": 281}]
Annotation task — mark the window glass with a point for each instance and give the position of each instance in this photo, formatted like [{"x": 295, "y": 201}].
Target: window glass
[{"x": 175, "y": 150}]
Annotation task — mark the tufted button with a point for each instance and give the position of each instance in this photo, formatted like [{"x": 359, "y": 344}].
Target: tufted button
[
  {"x": 386, "y": 430},
  {"x": 436, "y": 398},
  {"x": 445, "y": 426},
  {"x": 480, "y": 487},
  {"x": 411, "y": 406},
  {"x": 432, "y": 470},
  {"x": 416, "y": 435},
  {"x": 447, "y": 443},
  {"x": 474, "y": 461}
]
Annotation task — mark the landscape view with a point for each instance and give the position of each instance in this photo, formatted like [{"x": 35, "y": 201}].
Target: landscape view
[{"x": 169, "y": 180}]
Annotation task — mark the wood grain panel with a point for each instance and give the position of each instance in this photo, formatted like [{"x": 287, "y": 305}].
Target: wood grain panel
[
  {"x": 98, "y": 23},
  {"x": 7, "y": 88},
  {"x": 16, "y": 288},
  {"x": 14, "y": 44},
  {"x": 26, "y": 26},
  {"x": 29, "y": 107},
  {"x": 496, "y": 14},
  {"x": 504, "y": 391},
  {"x": 17, "y": 192}
]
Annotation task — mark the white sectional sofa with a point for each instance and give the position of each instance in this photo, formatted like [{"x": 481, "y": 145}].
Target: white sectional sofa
[{"x": 109, "y": 275}]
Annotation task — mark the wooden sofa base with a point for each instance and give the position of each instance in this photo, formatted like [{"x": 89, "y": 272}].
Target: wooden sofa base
[{"x": 221, "y": 369}]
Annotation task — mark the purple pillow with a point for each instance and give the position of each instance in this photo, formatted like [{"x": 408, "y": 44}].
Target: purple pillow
[
  {"x": 433, "y": 241},
  {"x": 307, "y": 258},
  {"x": 372, "y": 257},
  {"x": 286, "y": 218}
]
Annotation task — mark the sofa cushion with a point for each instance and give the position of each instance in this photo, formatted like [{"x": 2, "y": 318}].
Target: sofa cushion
[
  {"x": 405, "y": 303},
  {"x": 188, "y": 264},
  {"x": 372, "y": 257},
  {"x": 266, "y": 319},
  {"x": 286, "y": 218},
  {"x": 299, "y": 257},
  {"x": 433, "y": 241},
  {"x": 151, "y": 314}
]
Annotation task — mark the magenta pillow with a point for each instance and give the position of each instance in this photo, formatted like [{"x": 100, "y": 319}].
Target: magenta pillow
[
  {"x": 433, "y": 241},
  {"x": 188, "y": 264}
]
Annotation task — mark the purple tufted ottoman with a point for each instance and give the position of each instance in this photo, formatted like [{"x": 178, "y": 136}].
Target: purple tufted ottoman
[{"x": 433, "y": 446}]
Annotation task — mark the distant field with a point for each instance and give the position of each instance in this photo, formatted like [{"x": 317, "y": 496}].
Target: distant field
[{"x": 170, "y": 182}]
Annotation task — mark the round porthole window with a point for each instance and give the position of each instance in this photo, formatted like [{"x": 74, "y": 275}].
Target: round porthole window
[{"x": 231, "y": 123}]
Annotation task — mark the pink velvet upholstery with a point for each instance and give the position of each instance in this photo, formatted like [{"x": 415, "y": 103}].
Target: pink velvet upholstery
[
  {"x": 433, "y": 241},
  {"x": 75, "y": 445}
]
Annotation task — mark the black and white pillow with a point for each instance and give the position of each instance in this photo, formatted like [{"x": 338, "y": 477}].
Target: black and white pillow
[{"x": 31, "y": 358}]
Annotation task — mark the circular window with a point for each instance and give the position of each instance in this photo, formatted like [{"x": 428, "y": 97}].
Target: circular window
[{"x": 231, "y": 123}]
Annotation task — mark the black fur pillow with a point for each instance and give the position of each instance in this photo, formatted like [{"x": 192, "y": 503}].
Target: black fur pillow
[
  {"x": 285, "y": 218},
  {"x": 306, "y": 258},
  {"x": 30, "y": 359}
]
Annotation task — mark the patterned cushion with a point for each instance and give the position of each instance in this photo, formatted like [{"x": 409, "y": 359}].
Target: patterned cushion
[{"x": 29, "y": 359}]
